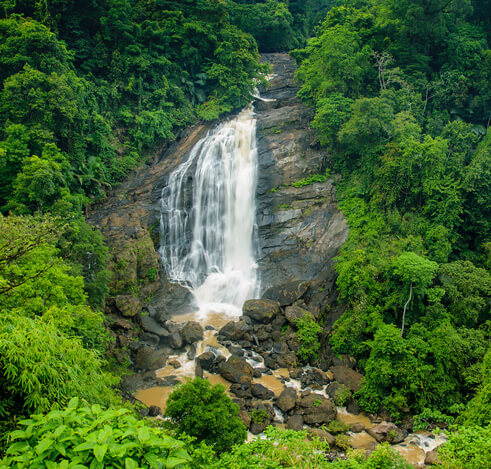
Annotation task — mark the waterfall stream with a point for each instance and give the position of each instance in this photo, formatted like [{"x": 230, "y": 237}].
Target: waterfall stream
[{"x": 209, "y": 240}]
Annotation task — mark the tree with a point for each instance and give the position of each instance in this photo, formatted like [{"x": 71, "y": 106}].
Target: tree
[
  {"x": 204, "y": 411},
  {"x": 417, "y": 273}
]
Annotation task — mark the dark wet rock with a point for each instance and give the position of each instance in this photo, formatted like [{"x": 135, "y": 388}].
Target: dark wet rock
[
  {"x": 130, "y": 383},
  {"x": 344, "y": 360},
  {"x": 270, "y": 362},
  {"x": 261, "y": 310},
  {"x": 323, "y": 435},
  {"x": 261, "y": 392},
  {"x": 235, "y": 350},
  {"x": 117, "y": 322},
  {"x": 175, "y": 340},
  {"x": 150, "y": 339},
  {"x": 236, "y": 370},
  {"x": 149, "y": 359},
  {"x": 287, "y": 293},
  {"x": 353, "y": 407},
  {"x": 287, "y": 399},
  {"x": 198, "y": 371},
  {"x": 387, "y": 431},
  {"x": 191, "y": 354},
  {"x": 128, "y": 305},
  {"x": 191, "y": 332},
  {"x": 316, "y": 409},
  {"x": 286, "y": 360},
  {"x": 356, "y": 427},
  {"x": 153, "y": 411},
  {"x": 294, "y": 313},
  {"x": 150, "y": 325},
  {"x": 350, "y": 378},
  {"x": 241, "y": 390},
  {"x": 257, "y": 373},
  {"x": 280, "y": 347},
  {"x": 295, "y": 422},
  {"x": 206, "y": 360},
  {"x": 172, "y": 299},
  {"x": 234, "y": 330}
]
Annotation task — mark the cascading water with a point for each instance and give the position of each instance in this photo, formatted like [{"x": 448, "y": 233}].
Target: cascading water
[{"x": 209, "y": 239}]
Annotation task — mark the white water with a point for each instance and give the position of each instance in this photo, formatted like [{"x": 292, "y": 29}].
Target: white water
[{"x": 208, "y": 218}]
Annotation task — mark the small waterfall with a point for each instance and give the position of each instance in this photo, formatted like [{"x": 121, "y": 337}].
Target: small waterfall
[{"x": 209, "y": 239}]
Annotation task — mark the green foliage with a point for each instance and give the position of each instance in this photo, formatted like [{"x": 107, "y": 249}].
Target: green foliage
[
  {"x": 311, "y": 179},
  {"x": 383, "y": 457},
  {"x": 336, "y": 426},
  {"x": 342, "y": 395},
  {"x": 428, "y": 417},
  {"x": 308, "y": 337},
  {"x": 398, "y": 90},
  {"x": 259, "y": 416},
  {"x": 51, "y": 341},
  {"x": 280, "y": 448},
  {"x": 204, "y": 411},
  {"x": 90, "y": 436},
  {"x": 467, "y": 448}
]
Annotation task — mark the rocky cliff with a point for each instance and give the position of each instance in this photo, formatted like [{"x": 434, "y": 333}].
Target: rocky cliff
[{"x": 300, "y": 228}]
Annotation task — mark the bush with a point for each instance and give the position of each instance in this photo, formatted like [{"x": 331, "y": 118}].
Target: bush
[
  {"x": 336, "y": 426},
  {"x": 308, "y": 338},
  {"x": 468, "y": 448},
  {"x": 280, "y": 449},
  {"x": 204, "y": 411},
  {"x": 82, "y": 436}
]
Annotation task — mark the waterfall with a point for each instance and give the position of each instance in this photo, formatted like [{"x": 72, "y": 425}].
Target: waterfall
[{"x": 209, "y": 239}]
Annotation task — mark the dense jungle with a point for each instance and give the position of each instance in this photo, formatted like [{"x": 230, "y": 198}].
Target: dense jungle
[{"x": 369, "y": 235}]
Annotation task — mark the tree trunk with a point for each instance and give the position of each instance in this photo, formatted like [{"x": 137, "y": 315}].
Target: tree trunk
[{"x": 405, "y": 307}]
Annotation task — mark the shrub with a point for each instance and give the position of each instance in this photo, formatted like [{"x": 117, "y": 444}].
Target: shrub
[
  {"x": 308, "y": 338},
  {"x": 342, "y": 395},
  {"x": 280, "y": 449},
  {"x": 467, "y": 448},
  {"x": 336, "y": 426},
  {"x": 82, "y": 436},
  {"x": 204, "y": 411}
]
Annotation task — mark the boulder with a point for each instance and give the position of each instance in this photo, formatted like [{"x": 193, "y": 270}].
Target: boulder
[
  {"x": 153, "y": 411},
  {"x": 261, "y": 310},
  {"x": 175, "y": 340},
  {"x": 323, "y": 435},
  {"x": 117, "y": 322},
  {"x": 206, "y": 360},
  {"x": 294, "y": 313},
  {"x": 234, "y": 330},
  {"x": 287, "y": 293},
  {"x": 295, "y": 422},
  {"x": 316, "y": 409},
  {"x": 287, "y": 399},
  {"x": 191, "y": 332},
  {"x": 350, "y": 378},
  {"x": 432, "y": 458},
  {"x": 149, "y": 359},
  {"x": 128, "y": 305},
  {"x": 356, "y": 427},
  {"x": 152, "y": 326},
  {"x": 387, "y": 431},
  {"x": 261, "y": 392},
  {"x": 150, "y": 339},
  {"x": 236, "y": 370}
]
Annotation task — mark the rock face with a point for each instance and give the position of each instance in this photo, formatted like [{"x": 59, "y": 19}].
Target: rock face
[
  {"x": 300, "y": 228},
  {"x": 350, "y": 378}
]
